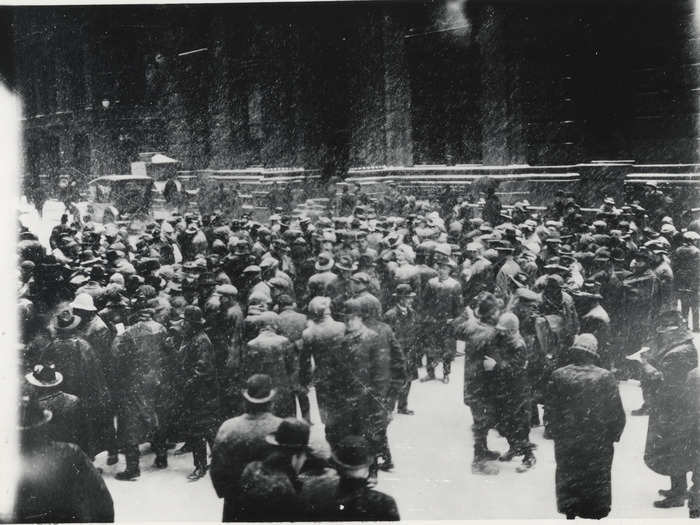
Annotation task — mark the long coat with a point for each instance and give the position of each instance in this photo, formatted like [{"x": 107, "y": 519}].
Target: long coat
[
  {"x": 83, "y": 377},
  {"x": 667, "y": 450},
  {"x": 479, "y": 385},
  {"x": 585, "y": 418},
  {"x": 69, "y": 423},
  {"x": 143, "y": 368},
  {"x": 442, "y": 301},
  {"x": 692, "y": 403},
  {"x": 362, "y": 381},
  {"x": 201, "y": 406},
  {"x": 240, "y": 440},
  {"x": 324, "y": 342},
  {"x": 403, "y": 323},
  {"x": 274, "y": 355},
  {"x": 59, "y": 484}
]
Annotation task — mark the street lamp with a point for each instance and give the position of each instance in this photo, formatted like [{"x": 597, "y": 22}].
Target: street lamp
[{"x": 105, "y": 103}]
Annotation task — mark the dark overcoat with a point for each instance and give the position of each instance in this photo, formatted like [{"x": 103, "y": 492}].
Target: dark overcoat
[
  {"x": 143, "y": 368},
  {"x": 83, "y": 377},
  {"x": 200, "y": 406},
  {"x": 59, "y": 484},
  {"x": 69, "y": 423},
  {"x": 330, "y": 498},
  {"x": 668, "y": 449},
  {"x": 272, "y": 354},
  {"x": 240, "y": 440},
  {"x": 585, "y": 418}
]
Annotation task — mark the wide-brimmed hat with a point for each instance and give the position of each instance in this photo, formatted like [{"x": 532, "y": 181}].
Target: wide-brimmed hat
[
  {"x": 66, "y": 321},
  {"x": 352, "y": 453},
  {"x": 346, "y": 264},
  {"x": 324, "y": 262},
  {"x": 31, "y": 414},
  {"x": 291, "y": 434},
  {"x": 44, "y": 376},
  {"x": 258, "y": 389}
]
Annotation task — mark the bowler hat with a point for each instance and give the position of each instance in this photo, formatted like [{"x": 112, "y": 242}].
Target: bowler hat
[
  {"x": 352, "y": 453},
  {"x": 258, "y": 389},
  {"x": 291, "y": 434}
]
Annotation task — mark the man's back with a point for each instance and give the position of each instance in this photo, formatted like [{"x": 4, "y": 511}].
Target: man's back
[
  {"x": 584, "y": 405},
  {"x": 58, "y": 483},
  {"x": 240, "y": 440}
]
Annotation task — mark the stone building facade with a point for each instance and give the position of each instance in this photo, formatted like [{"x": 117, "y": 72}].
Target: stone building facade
[{"x": 333, "y": 86}]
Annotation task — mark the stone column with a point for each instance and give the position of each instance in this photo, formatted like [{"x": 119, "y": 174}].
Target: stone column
[
  {"x": 502, "y": 120},
  {"x": 397, "y": 93}
]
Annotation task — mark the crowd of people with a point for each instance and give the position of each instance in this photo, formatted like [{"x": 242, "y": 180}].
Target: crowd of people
[{"x": 208, "y": 330}]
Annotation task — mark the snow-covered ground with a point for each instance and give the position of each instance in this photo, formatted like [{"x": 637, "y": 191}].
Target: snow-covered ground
[{"x": 432, "y": 480}]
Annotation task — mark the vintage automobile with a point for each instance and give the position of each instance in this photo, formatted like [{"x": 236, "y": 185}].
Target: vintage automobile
[{"x": 111, "y": 197}]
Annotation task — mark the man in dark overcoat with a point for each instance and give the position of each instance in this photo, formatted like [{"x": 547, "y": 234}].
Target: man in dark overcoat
[
  {"x": 82, "y": 376},
  {"x": 664, "y": 373},
  {"x": 68, "y": 423},
  {"x": 478, "y": 331},
  {"x": 402, "y": 319},
  {"x": 323, "y": 341},
  {"x": 442, "y": 302},
  {"x": 292, "y": 324},
  {"x": 241, "y": 440},
  {"x": 142, "y": 368},
  {"x": 57, "y": 483},
  {"x": 585, "y": 418},
  {"x": 273, "y": 354},
  {"x": 201, "y": 404},
  {"x": 692, "y": 397}
]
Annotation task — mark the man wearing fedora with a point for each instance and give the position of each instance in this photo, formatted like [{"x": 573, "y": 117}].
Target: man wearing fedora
[
  {"x": 442, "y": 302},
  {"x": 324, "y": 283},
  {"x": 348, "y": 496},
  {"x": 323, "y": 341},
  {"x": 402, "y": 319},
  {"x": 241, "y": 440},
  {"x": 685, "y": 262},
  {"x": 270, "y": 490},
  {"x": 664, "y": 371},
  {"x": 584, "y": 432},
  {"x": 82, "y": 376},
  {"x": 142, "y": 370},
  {"x": 200, "y": 407},
  {"x": 273, "y": 354},
  {"x": 594, "y": 319},
  {"x": 68, "y": 423},
  {"x": 291, "y": 324},
  {"x": 56, "y": 481}
]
